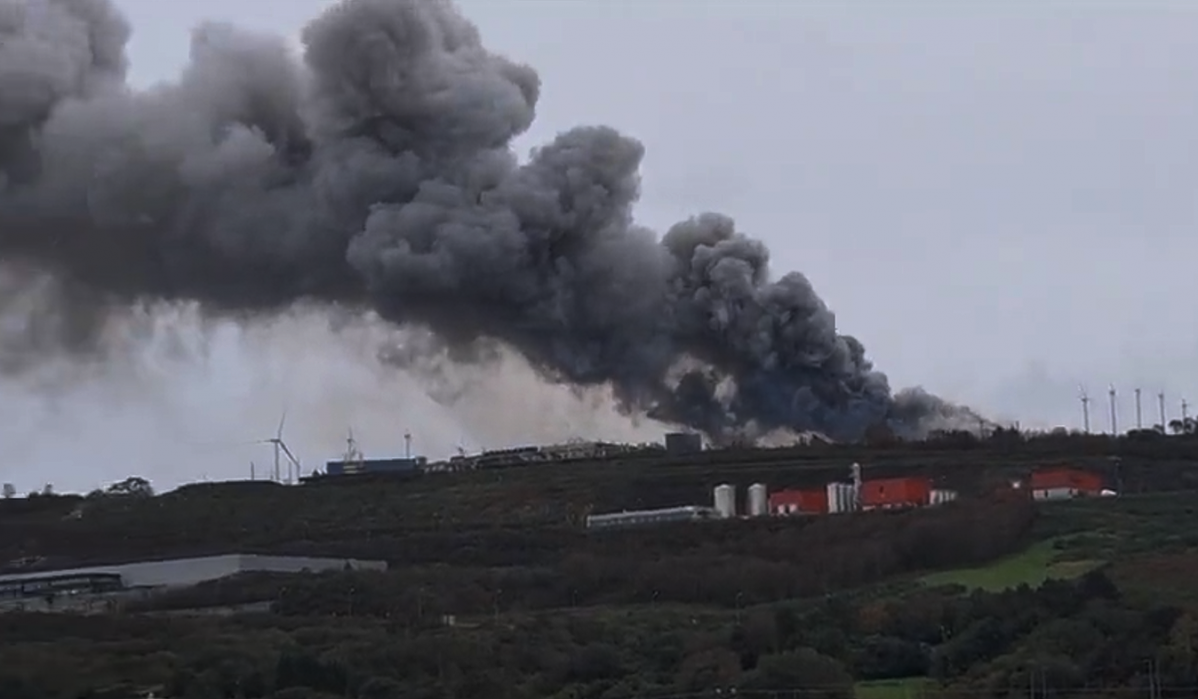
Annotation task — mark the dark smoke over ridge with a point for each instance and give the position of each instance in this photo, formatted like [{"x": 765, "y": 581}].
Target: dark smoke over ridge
[{"x": 377, "y": 175}]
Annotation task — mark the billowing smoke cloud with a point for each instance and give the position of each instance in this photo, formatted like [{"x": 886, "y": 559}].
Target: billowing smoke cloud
[{"x": 377, "y": 175}]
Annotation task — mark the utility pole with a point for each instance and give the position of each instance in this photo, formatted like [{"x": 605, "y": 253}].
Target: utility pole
[{"x": 1139, "y": 414}]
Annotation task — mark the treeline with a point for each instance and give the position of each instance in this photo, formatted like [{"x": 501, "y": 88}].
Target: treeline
[
  {"x": 1078, "y": 638},
  {"x": 726, "y": 564}
]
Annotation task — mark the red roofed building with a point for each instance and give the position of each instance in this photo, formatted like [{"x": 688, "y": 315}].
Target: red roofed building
[
  {"x": 889, "y": 493},
  {"x": 1064, "y": 483},
  {"x": 799, "y": 502}
]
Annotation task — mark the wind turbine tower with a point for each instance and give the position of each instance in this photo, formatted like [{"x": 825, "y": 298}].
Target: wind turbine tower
[
  {"x": 1114, "y": 414},
  {"x": 1085, "y": 398},
  {"x": 281, "y": 449},
  {"x": 407, "y": 445},
  {"x": 1160, "y": 399},
  {"x": 1139, "y": 413}
]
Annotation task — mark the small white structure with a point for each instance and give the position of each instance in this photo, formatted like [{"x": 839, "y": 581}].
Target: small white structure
[
  {"x": 1054, "y": 493},
  {"x": 842, "y": 497},
  {"x": 759, "y": 501},
  {"x": 688, "y": 513},
  {"x": 939, "y": 496},
  {"x": 725, "y": 500}
]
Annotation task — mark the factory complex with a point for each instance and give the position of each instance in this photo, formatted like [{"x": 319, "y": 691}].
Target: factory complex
[
  {"x": 854, "y": 495},
  {"x": 352, "y": 463}
]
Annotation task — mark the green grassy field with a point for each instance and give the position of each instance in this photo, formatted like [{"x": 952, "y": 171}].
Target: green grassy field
[
  {"x": 1039, "y": 562},
  {"x": 1158, "y": 530}
]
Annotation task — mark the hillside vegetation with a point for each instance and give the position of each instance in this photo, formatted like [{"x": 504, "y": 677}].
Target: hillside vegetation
[{"x": 496, "y": 591}]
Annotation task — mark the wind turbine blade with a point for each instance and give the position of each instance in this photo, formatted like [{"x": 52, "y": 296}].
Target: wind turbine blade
[
  {"x": 289, "y": 454},
  {"x": 282, "y": 421}
]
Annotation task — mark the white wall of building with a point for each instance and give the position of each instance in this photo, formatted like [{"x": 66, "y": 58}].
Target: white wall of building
[
  {"x": 1054, "y": 494},
  {"x": 192, "y": 571}
]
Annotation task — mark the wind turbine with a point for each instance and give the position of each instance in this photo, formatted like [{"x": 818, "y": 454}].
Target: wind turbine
[
  {"x": 1114, "y": 412},
  {"x": 281, "y": 448},
  {"x": 1085, "y": 399}
]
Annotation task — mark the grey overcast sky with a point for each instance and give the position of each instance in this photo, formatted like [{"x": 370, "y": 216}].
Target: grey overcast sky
[{"x": 999, "y": 199}]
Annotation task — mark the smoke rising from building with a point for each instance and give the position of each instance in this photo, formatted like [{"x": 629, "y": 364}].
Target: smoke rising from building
[{"x": 377, "y": 175}]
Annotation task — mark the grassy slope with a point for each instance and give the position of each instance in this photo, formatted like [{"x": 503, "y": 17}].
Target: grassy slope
[
  {"x": 1150, "y": 543},
  {"x": 1039, "y": 562}
]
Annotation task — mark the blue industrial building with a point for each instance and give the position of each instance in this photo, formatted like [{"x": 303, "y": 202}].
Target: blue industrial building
[{"x": 409, "y": 465}]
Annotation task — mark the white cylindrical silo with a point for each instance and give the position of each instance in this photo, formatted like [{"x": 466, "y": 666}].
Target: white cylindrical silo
[
  {"x": 834, "y": 504},
  {"x": 759, "y": 505},
  {"x": 725, "y": 500},
  {"x": 842, "y": 497}
]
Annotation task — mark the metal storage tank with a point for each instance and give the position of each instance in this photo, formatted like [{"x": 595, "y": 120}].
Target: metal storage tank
[
  {"x": 725, "y": 500},
  {"x": 759, "y": 500},
  {"x": 842, "y": 497}
]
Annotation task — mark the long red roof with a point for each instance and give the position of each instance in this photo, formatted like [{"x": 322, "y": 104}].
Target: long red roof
[{"x": 1076, "y": 479}]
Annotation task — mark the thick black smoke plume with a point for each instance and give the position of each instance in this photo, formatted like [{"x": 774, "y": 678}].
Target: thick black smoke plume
[{"x": 377, "y": 174}]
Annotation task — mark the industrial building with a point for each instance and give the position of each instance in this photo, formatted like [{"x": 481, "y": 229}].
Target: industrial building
[
  {"x": 859, "y": 494},
  {"x": 854, "y": 495},
  {"x": 682, "y": 443},
  {"x": 343, "y": 467},
  {"x": 576, "y": 450},
  {"x": 687, "y": 513},
  {"x": 895, "y": 493},
  {"x": 799, "y": 502},
  {"x": 1064, "y": 483},
  {"x": 179, "y": 572},
  {"x": 939, "y": 496},
  {"x": 353, "y": 463}
]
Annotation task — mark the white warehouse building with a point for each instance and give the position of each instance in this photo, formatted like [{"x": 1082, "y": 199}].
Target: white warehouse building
[
  {"x": 183, "y": 572},
  {"x": 688, "y": 513}
]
